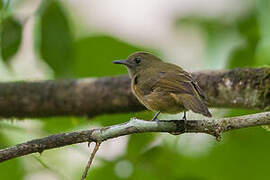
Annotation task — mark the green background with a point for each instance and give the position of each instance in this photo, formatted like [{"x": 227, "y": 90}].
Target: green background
[{"x": 241, "y": 154}]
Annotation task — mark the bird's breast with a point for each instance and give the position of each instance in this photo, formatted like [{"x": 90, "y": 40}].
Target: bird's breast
[{"x": 157, "y": 100}]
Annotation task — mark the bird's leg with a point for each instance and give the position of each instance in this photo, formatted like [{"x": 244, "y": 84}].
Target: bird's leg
[
  {"x": 155, "y": 117},
  {"x": 184, "y": 117}
]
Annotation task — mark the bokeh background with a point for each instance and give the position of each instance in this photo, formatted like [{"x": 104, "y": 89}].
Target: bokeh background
[{"x": 53, "y": 39}]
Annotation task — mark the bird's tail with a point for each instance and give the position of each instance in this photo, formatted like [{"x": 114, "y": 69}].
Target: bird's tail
[{"x": 194, "y": 104}]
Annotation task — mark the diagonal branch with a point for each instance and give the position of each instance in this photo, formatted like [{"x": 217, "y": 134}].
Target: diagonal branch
[
  {"x": 238, "y": 88},
  {"x": 209, "y": 126},
  {"x": 89, "y": 163}
]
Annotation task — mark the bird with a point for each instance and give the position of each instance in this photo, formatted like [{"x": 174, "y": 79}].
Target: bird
[{"x": 163, "y": 87}]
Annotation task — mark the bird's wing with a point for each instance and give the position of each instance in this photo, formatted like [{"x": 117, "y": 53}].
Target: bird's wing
[
  {"x": 184, "y": 89},
  {"x": 178, "y": 82}
]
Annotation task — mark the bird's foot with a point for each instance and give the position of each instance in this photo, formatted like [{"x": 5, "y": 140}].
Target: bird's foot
[
  {"x": 184, "y": 117},
  {"x": 155, "y": 117}
]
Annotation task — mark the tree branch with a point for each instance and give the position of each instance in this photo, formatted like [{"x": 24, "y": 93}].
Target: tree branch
[
  {"x": 238, "y": 88},
  {"x": 209, "y": 126}
]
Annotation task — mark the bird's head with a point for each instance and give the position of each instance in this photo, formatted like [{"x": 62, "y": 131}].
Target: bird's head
[{"x": 138, "y": 62}]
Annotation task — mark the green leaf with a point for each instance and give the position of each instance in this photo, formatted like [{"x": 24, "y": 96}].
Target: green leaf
[
  {"x": 61, "y": 124},
  {"x": 241, "y": 112},
  {"x": 137, "y": 143},
  {"x": 110, "y": 119},
  {"x": 4, "y": 4},
  {"x": 105, "y": 172},
  {"x": 94, "y": 56},
  {"x": 11, "y": 35},
  {"x": 55, "y": 38},
  {"x": 263, "y": 7},
  {"x": 244, "y": 55},
  {"x": 263, "y": 49},
  {"x": 13, "y": 165},
  {"x": 1, "y": 4},
  {"x": 11, "y": 169},
  {"x": 218, "y": 36},
  {"x": 263, "y": 53},
  {"x": 248, "y": 27}
]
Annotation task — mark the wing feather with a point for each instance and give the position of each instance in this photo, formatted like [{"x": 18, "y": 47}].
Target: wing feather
[{"x": 184, "y": 90}]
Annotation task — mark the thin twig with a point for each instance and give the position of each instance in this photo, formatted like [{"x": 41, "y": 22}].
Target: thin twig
[
  {"x": 209, "y": 126},
  {"x": 90, "y": 160}
]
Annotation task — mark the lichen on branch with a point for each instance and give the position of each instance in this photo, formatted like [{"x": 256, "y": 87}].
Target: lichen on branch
[
  {"x": 210, "y": 126},
  {"x": 247, "y": 88}
]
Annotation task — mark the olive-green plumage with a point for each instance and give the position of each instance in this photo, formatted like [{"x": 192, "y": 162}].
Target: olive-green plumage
[{"x": 163, "y": 86}]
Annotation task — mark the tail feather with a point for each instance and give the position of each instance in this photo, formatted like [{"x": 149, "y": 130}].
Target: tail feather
[{"x": 193, "y": 103}]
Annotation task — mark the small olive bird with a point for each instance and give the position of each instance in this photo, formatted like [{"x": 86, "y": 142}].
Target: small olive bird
[{"x": 163, "y": 87}]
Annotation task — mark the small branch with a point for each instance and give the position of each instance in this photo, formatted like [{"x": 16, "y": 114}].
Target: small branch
[
  {"x": 209, "y": 126},
  {"x": 90, "y": 160},
  {"x": 246, "y": 88}
]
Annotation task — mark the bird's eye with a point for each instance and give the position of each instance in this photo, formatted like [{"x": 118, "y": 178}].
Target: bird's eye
[{"x": 137, "y": 60}]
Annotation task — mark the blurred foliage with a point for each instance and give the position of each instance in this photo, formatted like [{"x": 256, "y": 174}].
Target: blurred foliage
[
  {"x": 254, "y": 49},
  {"x": 137, "y": 144},
  {"x": 242, "y": 154},
  {"x": 76, "y": 58},
  {"x": 10, "y": 32},
  {"x": 244, "y": 55},
  {"x": 11, "y": 35},
  {"x": 62, "y": 124},
  {"x": 218, "y": 34},
  {"x": 56, "y": 39},
  {"x": 263, "y": 49},
  {"x": 2, "y": 5},
  {"x": 12, "y": 169},
  {"x": 121, "y": 118},
  {"x": 232, "y": 159},
  {"x": 213, "y": 28},
  {"x": 100, "y": 51}
]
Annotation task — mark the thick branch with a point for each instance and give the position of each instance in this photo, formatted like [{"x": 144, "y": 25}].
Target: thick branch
[
  {"x": 238, "y": 88},
  {"x": 209, "y": 126}
]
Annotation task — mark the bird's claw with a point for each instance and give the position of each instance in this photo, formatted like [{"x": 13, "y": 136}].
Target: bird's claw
[{"x": 155, "y": 119}]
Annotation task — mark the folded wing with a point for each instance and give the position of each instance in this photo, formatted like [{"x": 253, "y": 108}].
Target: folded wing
[{"x": 184, "y": 89}]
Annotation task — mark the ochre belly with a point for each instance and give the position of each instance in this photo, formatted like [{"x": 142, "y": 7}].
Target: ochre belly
[{"x": 160, "y": 101}]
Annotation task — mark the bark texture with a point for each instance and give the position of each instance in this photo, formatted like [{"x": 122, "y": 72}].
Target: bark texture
[
  {"x": 238, "y": 88},
  {"x": 209, "y": 126}
]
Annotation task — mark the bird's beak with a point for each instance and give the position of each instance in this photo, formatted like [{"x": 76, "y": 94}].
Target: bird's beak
[{"x": 124, "y": 62}]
